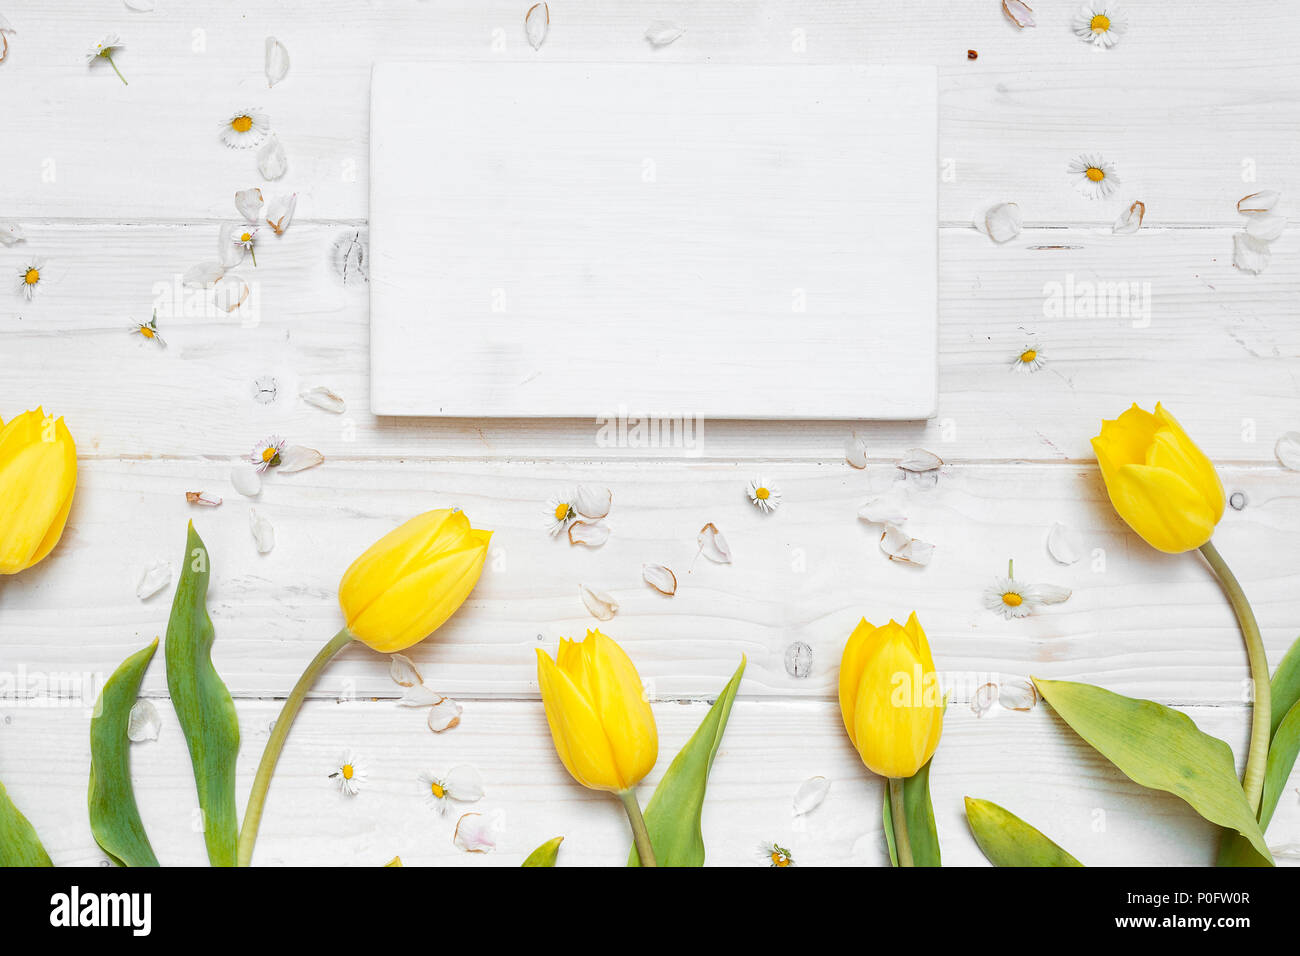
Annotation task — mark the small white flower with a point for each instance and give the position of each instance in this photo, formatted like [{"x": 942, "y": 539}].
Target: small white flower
[
  {"x": 29, "y": 278},
  {"x": 349, "y": 774},
  {"x": 245, "y": 238},
  {"x": 267, "y": 453},
  {"x": 1029, "y": 359},
  {"x": 461, "y": 783},
  {"x": 774, "y": 855},
  {"x": 104, "y": 50},
  {"x": 1100, "y": 23},
  {"x": 1010, "y": 598},
  {"x": 765, "y": 495},
  {"x": 245, "y": 129},
  {"x": 149, "y": 330},
  {"x": 561, "y": 511},
  {"x": 1094, "y": 176}
]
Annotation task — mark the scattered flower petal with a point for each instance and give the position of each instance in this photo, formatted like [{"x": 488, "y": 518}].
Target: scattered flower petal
[
  {"x": 1130, "y": 220},
  {"x": 263, "y": 532},
  {"x": 280, "y": 213},
  {"x": 247, "y": 480},
  {"x": 325, "y": 399},
  {"x": 143, "y": 723},
  {"x": 1063, "y": 544},
  {"x": 299, "y": 458},
  {"x": 1266, "y": 226},
  {"x": 249, "y": 204},
  {"x": 1258, "y": 203},
  {"x": 277, "y": 61},
  {"x": 713, "y": 545},
  {"x": 590, "y": 533},
  {"x": 764, "y": 494},
  {"x": 272, "y": 163},
  {"x": 799, "y": 659},
  {"x": 420, "y": 695},
  {"x": 537, "y": 23},
  {"x": 444, "y": 715},
  {"x": 204, "y": 275},
  {"x": 982, "y": 701},
  {"x": 593, "y": 502},
  {"x": 1001, "y": 222},
  {"x": 141, "y": 6},
  {"x": 919, "y": 460},
  {"x": 478, "y": 832},
  {"x": 855, "y": 451},
  {"x": 11, "y": 234},
  {"x": 1019, "y": 13},
  {"x": 1053, "y": 593},
  {"x": 886, "y": 509},
  {"x": 1250, "y": 254},
  {"x": 810, "y": 795},
  {"x": 152, "y": 579},
  {"x": 662, "y": 32},
  {"x": 1287, "y": 450},
  {"x": 660, "y": 578},
  {"x": 348, "y": 255},
  {"x": 403, "y": 671},
  {"x": 900, "y": 546},
  {"x": 203, "y": 498},
  {"x": 1018, "y": 694},
  {"x": 601, "y": 606}
]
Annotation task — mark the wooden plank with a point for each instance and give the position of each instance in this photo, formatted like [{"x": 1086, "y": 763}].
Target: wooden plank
[
  {"x": 1194, "y": 118},
  {"x": 1217, "y": 346},
  {"x": 1139, "y": 622},
  {"x": 1028, "y": 762}
]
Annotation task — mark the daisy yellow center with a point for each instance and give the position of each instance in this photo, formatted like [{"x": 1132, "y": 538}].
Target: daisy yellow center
[
  {"x": 1100, "y": 23},
  {"x": 561, "y": 511},
  {"x": 348, "y": 771},
  {"x": 268, "y": 453},
  {"x": 241, "y": 124},
  {"x": 1012, "y": 599},
  {"x": 146, "y": 331},
  {"x": 438, "y": 790},
  {"x": 1028, "y": 355},
  {"x": 1095, "y": 174},
  {"x": 32, "y": 276},
  {"x": 762, "y": 494},
  {"x": 246, "y": 237},
  {"x": 779, "y": 858}
]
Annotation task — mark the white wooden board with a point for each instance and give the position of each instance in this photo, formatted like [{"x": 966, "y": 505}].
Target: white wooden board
[{"x": 683, "y": 240}]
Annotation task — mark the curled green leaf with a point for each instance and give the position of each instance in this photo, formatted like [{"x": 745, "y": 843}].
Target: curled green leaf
[
  {"x": 203, "y": 705},
  {"x": 19, "y": 844},
  {"x": 1008, "y": 840},
  {"x": 545, "y": 854},
  {"x": 114, "y": 818}
]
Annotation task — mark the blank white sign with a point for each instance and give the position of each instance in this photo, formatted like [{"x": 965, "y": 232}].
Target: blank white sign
[{"x": 592, "y": 240}]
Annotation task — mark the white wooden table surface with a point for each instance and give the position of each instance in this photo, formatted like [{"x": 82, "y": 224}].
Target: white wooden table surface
[{"x": 121, "y": 188}]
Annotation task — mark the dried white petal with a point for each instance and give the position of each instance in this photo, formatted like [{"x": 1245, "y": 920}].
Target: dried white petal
[
  {"x": 537, "y": 23},
  {"x": 444, "y": 715},
  {"x": 141, "y": 6},
  {"x": 1019, "y": 13},
  {"x": 660, "y": 578},
  {"x": 230, "y": 252},
  {"x": 403, "y": 671},
  {"x": 464, "y": 783},
  {"x": 272, "y": 163},
  {"x": 1018, "y": 694},
  {"x": 982, "y": 701},
  {"x": 263, "y": 532},
  {"x": 143, "y": 723},
  {"x": 662, "y": 32},
  {"x": 1267, "y": 226},
  {"x": 249, "y": 203},
  {"x": 204, "y": 275},
  {"x": 886, "y": 509},
  {"x": 1130, "y": 220},
  {"x": 479, "y": 832},
  {"x": 918, "y": 459},
  {"x": 277, "y": 61},
  {"x": 810, "y": 795},
  {"x": 280, "y": 213},
  {"x": 203, "y": 498},
  {"x": 1002, "y": 222},
  {"x": 713, "y": 545},
  {"x": 420, "y": 695},
  {"x": 1260, "y": 202},
  {"x": 1287, "y": 450},
  {"x": 246, "y": 479},
  {"x": 229, "y": 292},
  {"x": 1250, "y": 254},
  {"x": 593, "y": 502},
  {"x": 601, "y": 605},
  {"x": 326, "y": 399},
  {"x": 590, "y": 533},
  {"x": 299, "y": 458},
  {"x": 900, "y": 546},
  {"x": 855, "y": 451},
  {"x": 11, "y": 234},
  {"x": 1063, "y": 544},
  {"x": 152, "y": 579},
  {"x": 1052, "y": 593}
]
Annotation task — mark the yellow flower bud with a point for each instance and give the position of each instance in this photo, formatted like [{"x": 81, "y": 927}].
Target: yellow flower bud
[
  {"x": 412, "y": 579},
  {"x": 1158, "y": 480},
  {"x": 38, "y": 476},
  {"x": 602, "y": 725},
  {"x": 890, "y": 698}
]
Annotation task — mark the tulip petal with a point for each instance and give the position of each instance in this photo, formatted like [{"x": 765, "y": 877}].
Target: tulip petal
[
  {"x": 898, "y": 720},
  {"x": 38, "y": 476},
  {"x": 1201, "y": 469},
  {"x": 618, "y": 697},
  {"x": 580, "y": 740},
  {"x": 1162, "y": 507},
  {"x": 856, "y": 651}
]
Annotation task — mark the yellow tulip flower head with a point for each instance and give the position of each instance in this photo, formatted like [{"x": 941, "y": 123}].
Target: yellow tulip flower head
[
  {"x": 601, "y": 722},
  {"x": 412, "y": 579},
  {"x": 1158, "y": 480},
  {"x": 890, "y": 698},
  {"x": 38, "y": 476}
]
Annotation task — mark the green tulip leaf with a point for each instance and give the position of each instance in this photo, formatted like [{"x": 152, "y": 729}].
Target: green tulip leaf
[
  {"x": 114, "y": 819},
  {"x": 1159, "y": 748},
  {"x": 1281, "y": 758},
  {"x": 673, "y": 814},
  {"x": 1008, "y": 840},
  {"x": 1285, "y": 686},
  {"x": 918, "y": 813},
  {"x": 203, "y": 706},
  {"x": 545, "y": 854},
  {"x": 19, "y": 844}
]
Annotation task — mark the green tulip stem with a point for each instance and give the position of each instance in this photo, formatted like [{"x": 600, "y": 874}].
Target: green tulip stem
[
  {"x": 640, "y": 835},
  {"x": 898, "y": 814},
  {"x": 1261, "y": 717},
  {"x": 279, "y": 733}
]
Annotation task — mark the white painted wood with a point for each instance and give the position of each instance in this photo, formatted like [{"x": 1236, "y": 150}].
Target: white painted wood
[{"x": 583, "y": 240}]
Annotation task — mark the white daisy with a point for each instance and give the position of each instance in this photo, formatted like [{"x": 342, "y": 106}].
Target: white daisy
[
  {"x": 104, "y": 50},
  {"x": 29, "y": 278},
  {"x": 349, "y": 774},
  {"x": 561, "y": 510},
  {"x": 774, "y": 855},
  {"x": 1029, "y": 359},
  {"x": 245, "y": 239},
  {"x": 149, "y": 330},
  {"x": 1100, "y": 23},
  {"x": 1094, "y": 176},
  {"x": 764, "y": 494},
  {"x": 1010, "y": 598},
  {"x": 267, "y": 453},
  {"x": 461, "y": 783},
  {"x": 245, "y": 129}
]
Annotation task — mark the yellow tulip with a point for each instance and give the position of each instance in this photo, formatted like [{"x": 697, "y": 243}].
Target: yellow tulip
[
  {"x": 890, "y": 698},
  {"x": 602, "y": 725},
  {"x": 1158, "y": 480},
  {"x": 38, "y": 476},
  {"x": 412, "y": 579}
]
